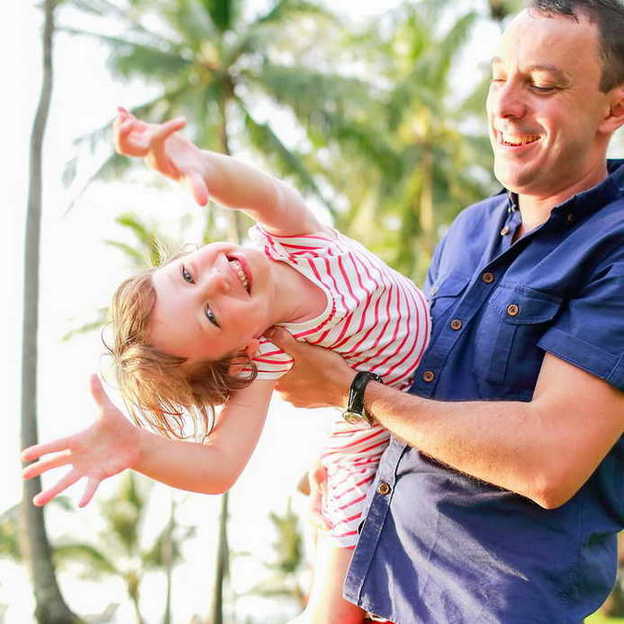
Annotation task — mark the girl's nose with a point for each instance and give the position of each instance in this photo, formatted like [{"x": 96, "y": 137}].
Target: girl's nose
[{"x": 217, "y": 280}]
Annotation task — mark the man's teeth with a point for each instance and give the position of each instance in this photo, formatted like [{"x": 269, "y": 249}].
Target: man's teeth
[
  {"x": 236, "y": 265},
  {"x": 518, "y": 140}
]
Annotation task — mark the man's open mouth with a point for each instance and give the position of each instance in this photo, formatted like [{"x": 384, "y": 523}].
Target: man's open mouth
[{"x": 517, "y": 140}]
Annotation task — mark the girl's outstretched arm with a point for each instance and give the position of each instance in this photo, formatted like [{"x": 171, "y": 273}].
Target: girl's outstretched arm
[
  {"x": 113, "y": 444},
  {"x": 226, "y": 180}
]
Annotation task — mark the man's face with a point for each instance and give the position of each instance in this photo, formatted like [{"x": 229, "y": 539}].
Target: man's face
[
  {"x": 211, "y": 303},
  {"x": 545, "y": 108}
]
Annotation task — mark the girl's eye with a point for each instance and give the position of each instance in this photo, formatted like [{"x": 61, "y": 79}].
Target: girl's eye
[
  {"x": 211, "y": 316},
  {"x": 186, "y": 276}
]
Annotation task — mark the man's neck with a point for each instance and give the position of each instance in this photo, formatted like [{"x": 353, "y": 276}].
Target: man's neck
[{"x": 536, "y": 209}]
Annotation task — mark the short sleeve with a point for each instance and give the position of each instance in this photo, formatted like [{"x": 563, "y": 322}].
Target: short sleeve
[
  {"x": 589, "y": 331},
  {"x": 271, "y": 362}
]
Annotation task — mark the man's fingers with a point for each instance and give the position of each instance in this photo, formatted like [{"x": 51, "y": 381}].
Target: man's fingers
[
  {"x": 281, "y": 338},
  {"x": 67, "y": 481},
  {"x": 35, "y": 452},
  {"x": 91, "y": 487},
  {"x": 34, "y": 470}
]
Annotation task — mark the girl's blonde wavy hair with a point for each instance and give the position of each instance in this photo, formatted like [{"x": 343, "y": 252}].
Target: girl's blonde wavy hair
[{"x": 163, "y": 390}]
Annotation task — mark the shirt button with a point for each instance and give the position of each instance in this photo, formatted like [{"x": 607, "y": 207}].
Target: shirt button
[
  {"x": 383, "y": 488},
  {"x": 505, "y": 231},
  {"x": 428, "y": 376},
  {"x": 570, "y": 218},
  {"x": 456, "y": 324},
  {"x": 488, "y": 278},
  {"x": 513, "y": 310}
]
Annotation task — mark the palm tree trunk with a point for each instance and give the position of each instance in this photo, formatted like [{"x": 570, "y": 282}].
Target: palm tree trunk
[
  {"x": 167, "y": 557},
  {"x": 50, "y": 606},
  {"x": 236, "y": 218},
  {"x": 223, "y": 555},
  {"x": 221, "y": 568}
]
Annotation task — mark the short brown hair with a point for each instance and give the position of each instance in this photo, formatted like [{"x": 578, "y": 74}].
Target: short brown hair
[
  {"x": 160, "y": 389},
  {"x": 609, "y": 17}
]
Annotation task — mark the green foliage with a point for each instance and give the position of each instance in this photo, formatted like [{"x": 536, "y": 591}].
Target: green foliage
[{"x": 288, "y": 563}]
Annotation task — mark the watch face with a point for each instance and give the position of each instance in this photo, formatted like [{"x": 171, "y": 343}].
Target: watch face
[{"x": 353, "y": 418}]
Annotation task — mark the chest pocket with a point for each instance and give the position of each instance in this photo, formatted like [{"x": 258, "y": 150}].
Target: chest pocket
[
  {"x": 444, "y": 293},
  {"x": 512, "y": 324}
]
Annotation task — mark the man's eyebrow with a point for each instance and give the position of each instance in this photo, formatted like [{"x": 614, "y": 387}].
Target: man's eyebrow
[{"x": 540, "y": 67}]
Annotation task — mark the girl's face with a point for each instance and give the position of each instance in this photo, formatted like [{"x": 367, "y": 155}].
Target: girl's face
[{"x": 213, "y": 302}]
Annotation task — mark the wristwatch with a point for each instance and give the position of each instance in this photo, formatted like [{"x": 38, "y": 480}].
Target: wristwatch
[{"x": 356, "y": 413}]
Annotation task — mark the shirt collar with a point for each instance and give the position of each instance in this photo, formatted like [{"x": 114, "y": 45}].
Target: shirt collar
[{"x": 610, "y": 189}]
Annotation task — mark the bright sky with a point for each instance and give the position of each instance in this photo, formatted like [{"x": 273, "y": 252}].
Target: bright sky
[{"x": 78, "y": 275}]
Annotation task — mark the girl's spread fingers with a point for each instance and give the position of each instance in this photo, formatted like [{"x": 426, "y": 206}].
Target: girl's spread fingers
[
  {"x": 91, "y": 487},
  {"x": 168, "y": 128},
  {"x": 34, "y": 470},
  {"x": 67, "y": 481},
  {"x": 98, "y": 393},
  {"x": 36, "y": 451}
]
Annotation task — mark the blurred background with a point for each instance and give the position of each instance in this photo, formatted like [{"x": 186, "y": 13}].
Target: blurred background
[{"x": 373, "y": 110}]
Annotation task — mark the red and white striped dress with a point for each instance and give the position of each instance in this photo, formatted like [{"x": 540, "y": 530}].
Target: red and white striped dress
[{"x": 378, "y": 321}]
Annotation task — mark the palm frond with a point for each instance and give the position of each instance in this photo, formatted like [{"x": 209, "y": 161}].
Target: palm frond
[
  {"x": 98, "y": 323},
  {"x": 223, "y": 13},
  {"x": 285, "y": 160},
  {"x": 97, "y": 561}
]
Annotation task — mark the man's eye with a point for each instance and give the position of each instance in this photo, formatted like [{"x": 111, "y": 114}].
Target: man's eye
[
  {"x": 186, "y": 276},
  {"x": 543, "y": 89},
  {"x": 211, "y": 316}
]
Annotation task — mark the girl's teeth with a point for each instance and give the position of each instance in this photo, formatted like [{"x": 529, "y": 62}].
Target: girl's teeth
[{"x": 241, "y": 274}]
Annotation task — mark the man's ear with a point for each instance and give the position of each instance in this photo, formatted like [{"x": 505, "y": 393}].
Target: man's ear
[
  {"x": 615, "y": 116},
  {"x": 238, "y": 366}
]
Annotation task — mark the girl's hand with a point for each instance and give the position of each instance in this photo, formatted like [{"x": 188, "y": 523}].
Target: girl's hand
[
  {"x": 107, "y": 447},
  {"x": 164, "y": 150}
]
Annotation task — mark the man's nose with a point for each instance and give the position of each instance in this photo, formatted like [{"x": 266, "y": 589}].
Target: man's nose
[{"x": 508, "y": 100}]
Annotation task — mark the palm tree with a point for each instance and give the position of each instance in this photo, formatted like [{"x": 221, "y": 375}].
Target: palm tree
[
  {"x": 289, "y": 561},
  {"x": 500, "y": 9},
  {"x": 227, "y": 71},
  {"x": 119, "y": 553},
  {"x": 422, "y": 165},
  {"x": 50, "y": 605}
]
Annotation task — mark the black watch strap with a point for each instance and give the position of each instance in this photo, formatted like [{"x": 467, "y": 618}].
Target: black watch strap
[{"x": 356, "y": 412}]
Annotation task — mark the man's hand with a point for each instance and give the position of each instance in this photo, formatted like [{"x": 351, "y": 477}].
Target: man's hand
[
  {"x": 164, "y": 150},
  {"x": 107, "y": 447},
  {"x": 319, "y": 378}
]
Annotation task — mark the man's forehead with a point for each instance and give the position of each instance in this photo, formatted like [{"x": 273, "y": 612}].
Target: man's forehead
[{"x": 554, "y": 43}]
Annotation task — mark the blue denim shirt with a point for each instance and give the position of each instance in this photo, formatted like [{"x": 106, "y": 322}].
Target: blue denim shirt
[{"x": 442, "y": 547}]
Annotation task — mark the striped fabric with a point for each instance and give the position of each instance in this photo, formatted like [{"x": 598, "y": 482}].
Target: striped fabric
[{"x": 378, "y": 321}]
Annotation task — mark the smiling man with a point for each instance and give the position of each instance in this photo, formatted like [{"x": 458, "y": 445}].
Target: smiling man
[{"x": 501, "y": 494}]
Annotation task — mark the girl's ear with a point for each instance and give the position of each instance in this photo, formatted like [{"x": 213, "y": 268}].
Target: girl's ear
[{"x": 250, "y": 351}]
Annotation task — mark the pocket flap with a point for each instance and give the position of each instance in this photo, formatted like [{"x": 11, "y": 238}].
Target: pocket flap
[
  {"x": 522, "y": 308},
  {"x": 448, "y": 286}
]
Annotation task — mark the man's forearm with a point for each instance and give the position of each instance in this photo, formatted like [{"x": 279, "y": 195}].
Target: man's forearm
[
  {"x": 501, "y": 443},
  {"x": 544, "y": 449}
]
